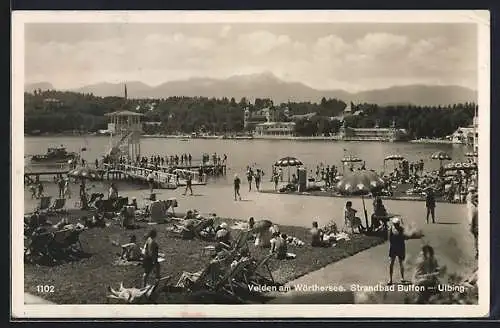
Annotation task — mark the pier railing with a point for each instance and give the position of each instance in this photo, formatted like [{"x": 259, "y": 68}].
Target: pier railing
[{"x": 161, "y": 174}]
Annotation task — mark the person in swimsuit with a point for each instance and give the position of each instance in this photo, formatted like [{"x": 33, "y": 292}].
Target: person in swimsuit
[
  {"x": 237, "y": 183},
  {"x": 397, "y": 248},
  {"x": 150, "y": 260}
]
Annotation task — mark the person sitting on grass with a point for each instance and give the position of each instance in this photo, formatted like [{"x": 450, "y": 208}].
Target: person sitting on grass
[
  {"x": 427, "y": 273},
  {"x": 222, "y": 234},
  {"x": 379, "y": 214},
  {"x": 351, "y": 219},
  {"x": 134, "y": 203},
  {"x": 317, "y": 236},
  {"x": 131, "y": 251},
  {"x": 95, "y": 221},
  {"x": 278, "y": 246}
]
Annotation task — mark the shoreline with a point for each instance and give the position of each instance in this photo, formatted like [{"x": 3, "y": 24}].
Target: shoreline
[{"x": 278, "y": 138}]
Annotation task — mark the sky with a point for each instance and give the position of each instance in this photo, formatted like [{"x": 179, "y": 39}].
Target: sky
[{"x": 349, "y": 56}]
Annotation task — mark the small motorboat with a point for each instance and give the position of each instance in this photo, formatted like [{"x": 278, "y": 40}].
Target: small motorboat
[{"x": 55, "y": 155}]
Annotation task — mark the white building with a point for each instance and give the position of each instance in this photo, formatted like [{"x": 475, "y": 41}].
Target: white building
[
  {"x": 465, "y": 136},
  {"x": 276, "y": 129}
]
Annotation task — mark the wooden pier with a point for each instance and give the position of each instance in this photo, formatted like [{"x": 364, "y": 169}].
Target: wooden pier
[
  {"x": 33, "y": 172},
  {"x": 164, "y": 177}
]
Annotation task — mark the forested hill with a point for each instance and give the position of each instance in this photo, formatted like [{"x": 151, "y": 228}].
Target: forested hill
[
  {"x": 56, "y": 111},
  {"x": 267, "y": 85}
]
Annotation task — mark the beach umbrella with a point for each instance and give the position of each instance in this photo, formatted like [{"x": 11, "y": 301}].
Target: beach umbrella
[
  {"x": 361, "y": 183},
  {"x": 83, "y": 173},
  {"x": 349, "y": 159},
  {"x": 471, "y": 154},
  {"x": 288, "y": 162},
  {"x": 441, "y": 156},
  {"x": 393, "y": 157},
  {"x": 460, "y": 166}
]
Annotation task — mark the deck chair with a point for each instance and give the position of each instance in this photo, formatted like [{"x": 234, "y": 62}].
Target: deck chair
[
  {"x": 233, "y": 276},
  {"x": 240, "y": 243},
  {"x": 255, "y": 271},
  {"x": 57, "y": 206},
  {"x": 171, "y": 203},
  {"x": 38, "y": 246},
  {"x": 204, "y": 279},
  {"x": 44, "y": 203},
  {"x": 119, "y": 203}
]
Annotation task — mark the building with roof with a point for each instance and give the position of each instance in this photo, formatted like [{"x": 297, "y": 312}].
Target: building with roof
[
  {"x": 275, "y": 129},
  {"x": 373, "y": 134}
]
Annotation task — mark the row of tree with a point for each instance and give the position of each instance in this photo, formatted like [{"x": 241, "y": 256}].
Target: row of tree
[{"x": 55, "y": 111}]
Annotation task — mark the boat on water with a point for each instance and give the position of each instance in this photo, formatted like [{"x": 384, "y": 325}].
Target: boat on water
[{"x": 55, "y": 155}]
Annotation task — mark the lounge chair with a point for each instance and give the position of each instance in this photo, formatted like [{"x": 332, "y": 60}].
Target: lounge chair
[
  {"x": 204, "y": 279},
  {"x": 233, "y": 277},
  {"x": 255, "y": 274},
  {"x": 57, "y": 206},
  {"x": 38, "y": 246},
  {"x": 44, "y": 204}
]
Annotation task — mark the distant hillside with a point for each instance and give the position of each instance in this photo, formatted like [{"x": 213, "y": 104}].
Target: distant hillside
[
  {"x": 267, "y": 85},
  {"x": 30, "y": 87}
]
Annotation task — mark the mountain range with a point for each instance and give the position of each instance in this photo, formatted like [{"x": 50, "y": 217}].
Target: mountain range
[{"x": 266, "y": 85}]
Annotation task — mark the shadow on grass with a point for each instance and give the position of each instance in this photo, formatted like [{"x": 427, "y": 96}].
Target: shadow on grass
[
  {"x": 87, "y": 274},
  {"x": 448, "y": 223}
]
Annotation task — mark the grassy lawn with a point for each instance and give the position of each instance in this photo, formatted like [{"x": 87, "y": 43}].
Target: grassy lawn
[{"x": 85, "y": 281}]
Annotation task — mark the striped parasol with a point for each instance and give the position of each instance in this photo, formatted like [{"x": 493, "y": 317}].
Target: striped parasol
[
  {"x": 461, "y": 166},
  {"x": 441, "y": 156},
  {"x": 351, "y": 159},
  {"x": 84, "y": 173},
  {"x": 394, "y": 157},
  {"x": 288, "y": 161},
  {"x": 361, "y": 183},
  {"x": 471, "y": 154}
]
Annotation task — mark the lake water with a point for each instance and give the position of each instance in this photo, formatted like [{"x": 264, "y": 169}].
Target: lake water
[{"x": 262, "y": 153}]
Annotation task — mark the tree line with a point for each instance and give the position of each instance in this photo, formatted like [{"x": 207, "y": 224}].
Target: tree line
[{"x": 52, "y": 111}]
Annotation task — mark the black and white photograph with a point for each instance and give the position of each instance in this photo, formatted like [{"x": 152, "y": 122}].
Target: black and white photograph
[{"x": 291, "y": 162}]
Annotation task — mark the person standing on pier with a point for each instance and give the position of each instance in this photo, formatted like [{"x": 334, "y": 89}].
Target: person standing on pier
[
  {"x": 237, "y": 183},
  {"x": 189, "y": 183}
]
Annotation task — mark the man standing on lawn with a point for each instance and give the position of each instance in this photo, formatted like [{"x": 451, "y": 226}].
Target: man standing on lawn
[{"x": 150, "y": 260}]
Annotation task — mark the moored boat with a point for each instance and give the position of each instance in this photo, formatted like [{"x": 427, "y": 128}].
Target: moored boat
[{"x": 55, "y": 155}]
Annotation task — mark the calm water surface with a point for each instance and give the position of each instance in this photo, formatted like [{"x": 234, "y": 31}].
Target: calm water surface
[{"x": 262, "y": 153}]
